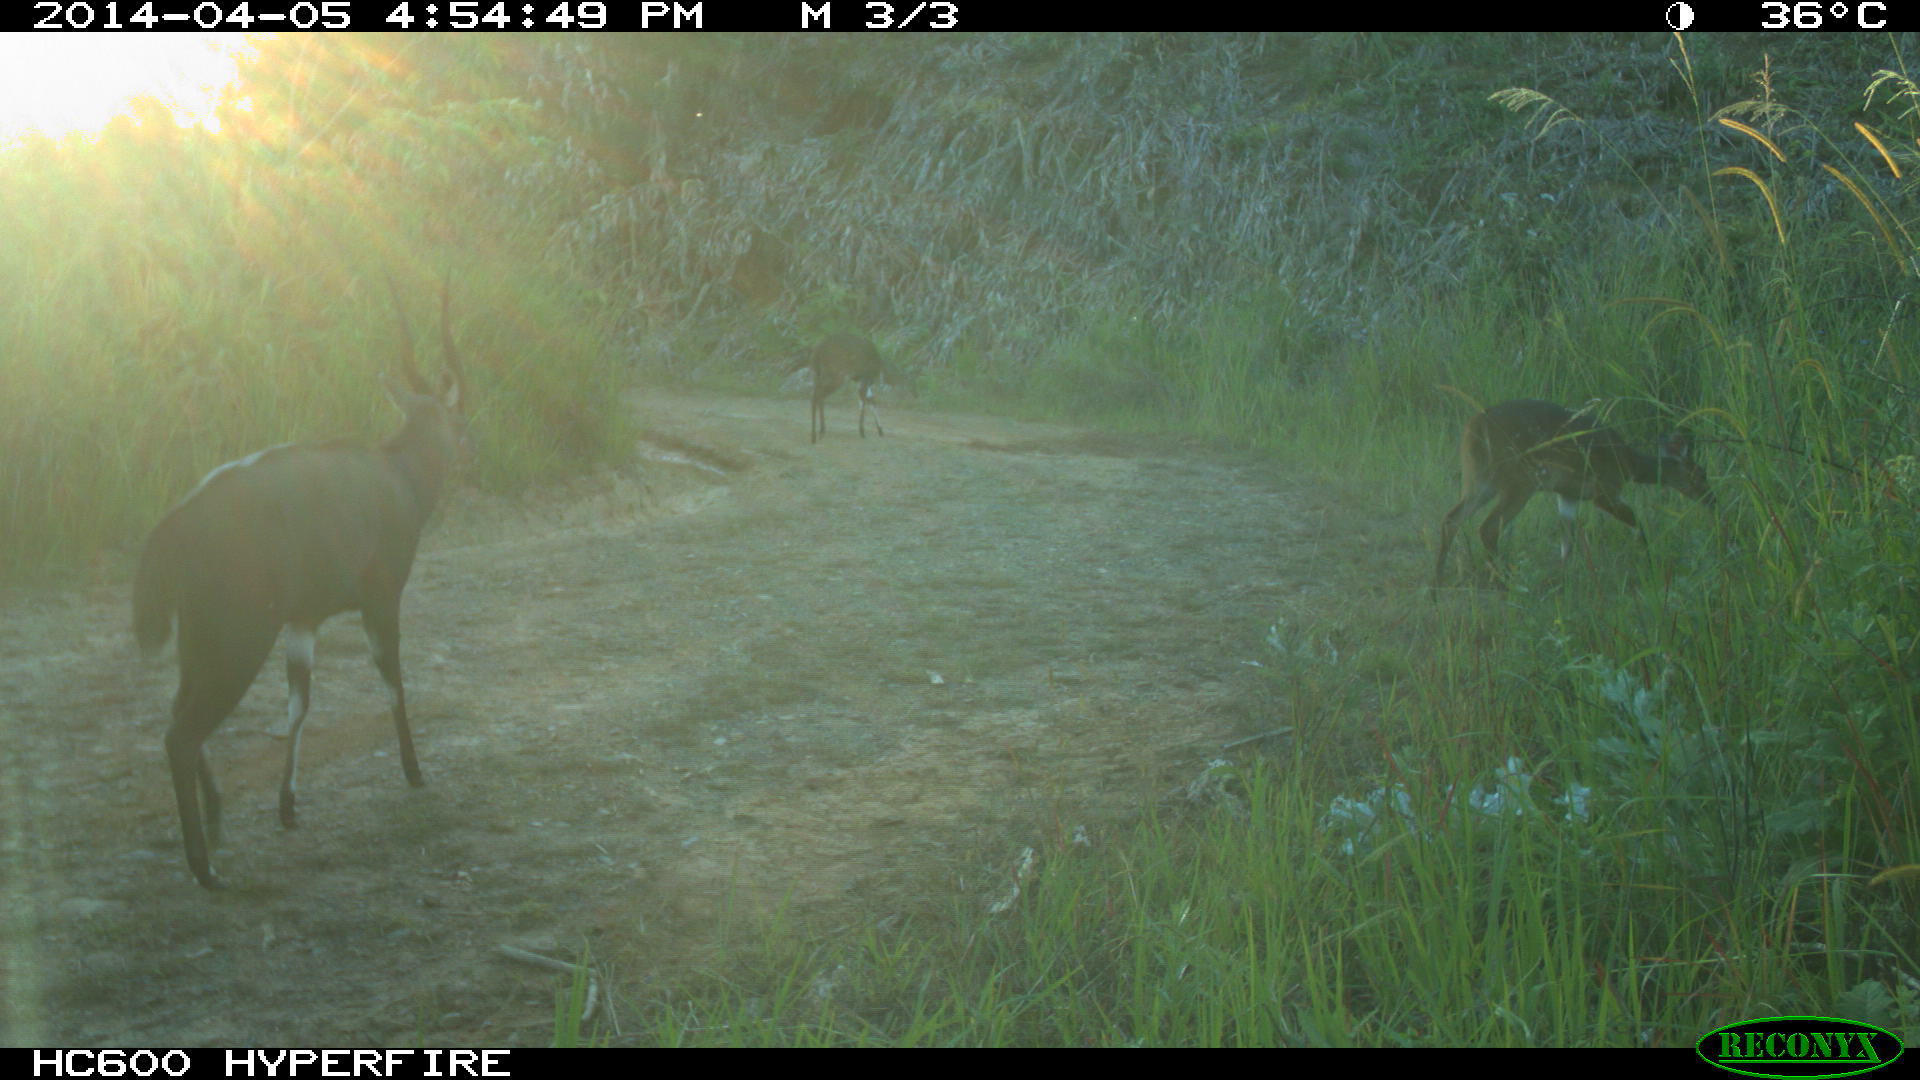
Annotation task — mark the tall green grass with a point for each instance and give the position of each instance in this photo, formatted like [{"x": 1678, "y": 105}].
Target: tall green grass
[{"x": 1424, "y": 913}]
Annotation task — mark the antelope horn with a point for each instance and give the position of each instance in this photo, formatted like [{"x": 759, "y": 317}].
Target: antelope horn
[
  {"x": 407, "y": 367},
  {"x": 447, "y": 347}
]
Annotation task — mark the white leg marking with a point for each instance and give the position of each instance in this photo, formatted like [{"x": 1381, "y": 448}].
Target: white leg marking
[
  {"x": 293, "y": 763},
  {"x": 299, "y": 651}
]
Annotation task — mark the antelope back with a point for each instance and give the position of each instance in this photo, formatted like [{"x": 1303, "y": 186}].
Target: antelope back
[
  {"x": 845, "y": 356},
  {"x": 1532, "y": 445}
]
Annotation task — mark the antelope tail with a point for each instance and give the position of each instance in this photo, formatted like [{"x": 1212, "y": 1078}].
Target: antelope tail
[{"x": 153, "y": 593}]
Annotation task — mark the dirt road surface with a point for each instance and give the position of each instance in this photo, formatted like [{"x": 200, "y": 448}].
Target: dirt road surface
[{"x": 853, "y": 678}]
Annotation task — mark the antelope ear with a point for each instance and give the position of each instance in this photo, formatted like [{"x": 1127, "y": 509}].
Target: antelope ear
[
  {"x": 449, "y": 392},
  {"x": 404, "y": 397}
]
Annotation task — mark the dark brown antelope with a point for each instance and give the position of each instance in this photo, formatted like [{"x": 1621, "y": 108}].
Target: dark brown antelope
[
  {"x": 1517, "y": 448},
  {"x": 286, "y": 538},
  {"x": 834, "y": 361}
]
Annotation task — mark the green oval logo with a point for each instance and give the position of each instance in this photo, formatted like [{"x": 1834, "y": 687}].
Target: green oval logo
[{"x": 1799, "y": 1047}]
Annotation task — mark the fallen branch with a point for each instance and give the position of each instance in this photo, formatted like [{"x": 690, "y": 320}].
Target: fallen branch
[{"x": 548, "y": 962}]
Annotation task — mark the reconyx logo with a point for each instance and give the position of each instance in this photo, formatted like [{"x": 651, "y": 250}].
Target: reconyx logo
[{"x": 1799, "y": 1047}]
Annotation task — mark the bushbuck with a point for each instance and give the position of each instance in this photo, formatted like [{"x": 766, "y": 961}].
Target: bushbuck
[
  {"x": 834, "y": 361},
  {"x": 1517, "y": 448},
  {"x": 288, "y": 537}
]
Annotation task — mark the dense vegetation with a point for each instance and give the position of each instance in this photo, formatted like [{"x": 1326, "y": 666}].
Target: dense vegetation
[{"x": 1617, "y": 805}]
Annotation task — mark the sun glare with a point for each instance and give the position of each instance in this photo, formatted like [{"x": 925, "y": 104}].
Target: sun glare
[{"x": 56, "y": 84}]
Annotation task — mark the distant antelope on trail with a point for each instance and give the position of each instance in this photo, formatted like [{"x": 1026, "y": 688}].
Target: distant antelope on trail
[
  {"x": 1517, "y": 448},
  {"x": 835, "y": 361},
  {"x": 288, "y": 537}
]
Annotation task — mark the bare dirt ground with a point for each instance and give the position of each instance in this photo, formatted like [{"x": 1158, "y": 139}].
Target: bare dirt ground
[{"x": 854, "y": 679}]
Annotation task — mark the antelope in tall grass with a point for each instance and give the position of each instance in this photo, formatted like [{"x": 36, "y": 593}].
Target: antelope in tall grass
[
  {"x": 1517, "y": 448},
  {"x": 834, "y": 361},
  {"x": 288, "y": 537}
]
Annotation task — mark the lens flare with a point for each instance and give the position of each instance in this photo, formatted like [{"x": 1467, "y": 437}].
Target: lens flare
[{"x": 60, "y": 84}]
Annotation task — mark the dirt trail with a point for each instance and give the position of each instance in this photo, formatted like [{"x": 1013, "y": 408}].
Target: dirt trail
[{"x": 860, "y": 676}]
